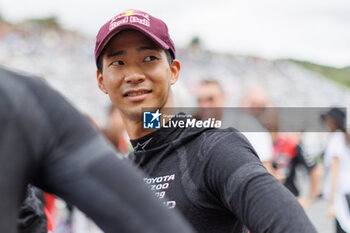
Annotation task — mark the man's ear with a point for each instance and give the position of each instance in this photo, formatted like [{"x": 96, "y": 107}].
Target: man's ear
[
  {"x": 100, "y": 82},
  {"x": 175, "y": 71}
]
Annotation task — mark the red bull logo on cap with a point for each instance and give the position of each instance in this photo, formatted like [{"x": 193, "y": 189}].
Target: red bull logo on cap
[
  {"x": 132, "y": 16},
  {"x": 130, "y": 13}
]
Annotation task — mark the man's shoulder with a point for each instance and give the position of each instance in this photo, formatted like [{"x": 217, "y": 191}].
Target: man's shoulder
[
  {"x": 14, "y": 90},
  {"x": 222, "y": 135},
  {"x": 17, "y": 87},
  {"x": 214, "y": 140},
  {"x": 18, "y": 77}
]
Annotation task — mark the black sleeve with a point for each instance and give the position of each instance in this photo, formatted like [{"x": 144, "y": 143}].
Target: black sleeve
[
  {"x": 45, "y": 141},
  {"x": 245, "y": 187},
  {"x": 32, "y": 218},
  {"x": 305, "y": 159}
]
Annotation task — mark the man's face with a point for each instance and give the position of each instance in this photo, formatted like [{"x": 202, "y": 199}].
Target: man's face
[
  {"x": 136, "y": 73},
  {"x": 210, "y": 95},
  {"x": 210, "y": 100}
]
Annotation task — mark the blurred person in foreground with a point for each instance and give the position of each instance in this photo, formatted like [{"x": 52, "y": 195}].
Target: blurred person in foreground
[
  {"x": 212, "y": 100},
  {"x": 46, "y": 142},
  {"x": 76, "y": 221},
  {"x": 114, "y": 130},
  {"x": 337, "y": 169},
  {"x": 213, "y": 176}
]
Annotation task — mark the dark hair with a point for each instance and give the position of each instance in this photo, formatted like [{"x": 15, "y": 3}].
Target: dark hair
[
  {"x": 169, "y": 55},
  {"x": 99, "y": 63},
  {"x": 338, "y": 116}
]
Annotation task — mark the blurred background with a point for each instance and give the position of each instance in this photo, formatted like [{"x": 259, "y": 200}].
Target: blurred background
[{"x": 297, "y": 51}]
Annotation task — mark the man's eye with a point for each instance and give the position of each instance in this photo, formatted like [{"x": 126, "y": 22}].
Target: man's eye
[
  {"x": 150, "y": 58},
  {"x": 118, "y": 63}
]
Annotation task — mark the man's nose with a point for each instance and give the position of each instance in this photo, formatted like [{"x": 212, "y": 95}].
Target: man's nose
[{"x": 134, "y": 75}]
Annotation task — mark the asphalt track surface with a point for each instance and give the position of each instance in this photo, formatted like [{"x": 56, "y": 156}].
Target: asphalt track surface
[{"x": 317, "y": 213}]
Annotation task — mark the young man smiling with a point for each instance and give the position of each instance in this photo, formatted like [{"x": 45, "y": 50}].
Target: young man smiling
[{"x": 213, "y": 176}]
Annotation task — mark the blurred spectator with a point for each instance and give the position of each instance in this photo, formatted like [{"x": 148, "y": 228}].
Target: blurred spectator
[
  {"x": 254, "y": 103},
  {"x": 211, "y": 100},
  {"x": 288, "y": 152},
  {"x": 337, "y": 169},
  {"x": 288, "y": 155}
]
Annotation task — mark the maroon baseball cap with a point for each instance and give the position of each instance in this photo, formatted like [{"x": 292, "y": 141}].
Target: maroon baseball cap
[{"x": 152, "y": 27}]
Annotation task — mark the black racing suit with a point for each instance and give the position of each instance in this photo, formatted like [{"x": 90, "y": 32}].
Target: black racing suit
[
  {"x": 46, "y": 142},
  {"x": 215, "y": 178}
]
